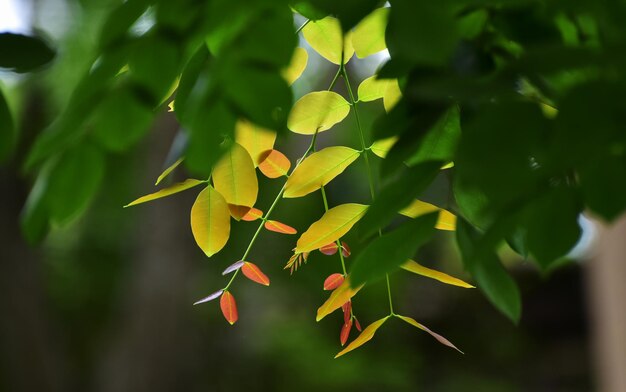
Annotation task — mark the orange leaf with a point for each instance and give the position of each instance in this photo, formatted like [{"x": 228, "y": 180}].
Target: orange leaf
[
  {"x": 338, "y": 297},
  {"x": 254, "y": 273},
  {"x": 439, "y": 338},
  {"x": 237, "y": 211},
  {"x": 345, "y": 332},
  {"x": 229, "y": 307},
  {"x": 364, "y": 337},
  {"x": 279, "y": 227},
  {"x": 274, "y": 164},
  {"x": 333, "y": 281},
  {"x": 347, "y": 311},
  {"x": 329, "y": 249},
  {"x": 345, "y": 249},
  {"x": 357, "y": 324},
  {"x": 253, "y": 215}
]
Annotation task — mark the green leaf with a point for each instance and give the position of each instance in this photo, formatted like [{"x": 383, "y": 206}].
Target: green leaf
[
  {"x": 388, "y": 252},
  {"x": 349, "y": 12},
  {"x": 440, "y": 142},
  {"x": 368, "y": 36},
  {"x": 317, "y": 112},
  {"x": 601, "y": 187},
  {"x": 328, "y": 39},
  {"x": 170, "y": 190},
  {"x": 22, "y": 53}
]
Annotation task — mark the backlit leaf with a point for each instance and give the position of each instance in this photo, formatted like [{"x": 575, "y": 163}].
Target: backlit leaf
[
  {"x": 252, "y": 215},
  {"x": 170, "y": 190},
  {"x": 254, "y": 273},
  {"x": 445, "y": 221},
  {"x": 210, "y": 221},
  {"x": 368, "y": 36},
  {"x": 274, "y": 164},
  {"x": 317, "y": 112},
  {"x": 364, "y": 337},
  {"x": 234, "y": 178},
  {"x": 419, "y": 269},
  {"x": 211, "y": 297},
  {"x": 338, "y": 297},
  {"x": 279, "y": 227},
  {"x": 229, "y": 307},
  {"x": 333, "y": 281},
  {"x": 296, "y": 66},
  {"x": 318, "y": 169},
  {"x": 435, "y": 335},
  {"x": 256, "y": 140},
  {"x": 167, "y": 171},
  {"x": 372, "y": 89},
  {"x": 381, "y": 147},
  {"x": 334, "y": 224},
  {"x": 326, "y": 38},
  {"x": 391, "y": 95}
]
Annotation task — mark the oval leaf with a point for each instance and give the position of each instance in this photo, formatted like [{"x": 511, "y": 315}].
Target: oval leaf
[
  {"x": 419, "y": 269},
  {"x": 329, "y": 249},
  {"x": 210, "y": 221},
  {"x": 373, "y": 88},
  {"x": 364, "y": 337},
  {"x": 234, "y": 177},
  {"x": 229, "y": 307},
  {"x": 435, "y": 335},
  {"x": 368, "y": 36},
  {"x": 170, "y": 190},
  {"x": 274, "y": 164},
  {"x": 445, "y": 221},
  {"x": 252, "y": 215},
  {"x": 333, "y": 281},
  {"x": 256, "y": 140},
  {"x": 345, "y": 250},
  {"x": 334, "y": 224},
  {"x": 254, "y": 273},
  {"x": 338, "y": 297},
  {"x": 211, "y": 297},
  {"x": 297, "y": 65},
  {"x": 279, "y": 227},
  {"x": 317, "y": 112},
  {"x": 326, "y": 38},
  {"x": 319, "y": 169},
  {"x": 167, "y": 171}
]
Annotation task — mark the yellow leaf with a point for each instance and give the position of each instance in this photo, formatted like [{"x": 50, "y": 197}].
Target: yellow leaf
[
  {"x": 170, "y": 190},
  {"x": 170, "y": 169},
  {"x": 234, "y": 178},
  {"x": 254, "y": 139},
  {"x": 391, "y": 95},
  {"x": 381, "y": 147},
  {"x": 372, "y": 89},
  {"x": 419, "y": 269},
  {"x": 317, "y": 111},
  {"x": 446, "y": 220},
  {"x": 327, "y": 39},
  {"x": 368, "y": 36},
  {"x": 364, "y": 337},
  {"x": 210, "y": 221},
  {"x": 297, "y": 65},
  {"x": 338, "y": 297},
  {"x": 435, "y": 335},
  {"x": 318, "y": 170},
  {"x": 333, "y": 225}
]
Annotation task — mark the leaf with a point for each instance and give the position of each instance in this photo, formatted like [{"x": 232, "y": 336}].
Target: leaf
[
  {"x": 389, "y": 251},
  {"x": 441, "y": 141},
  {"x": 345, "y": 250},
  {"x": 334, "y": 224},
  {"x": 318, "y": 169},
  {"x": 381, "y": 147},
  {"x": 419, "y": 269},
  {"x": 317, "y": 112},
  {"x": 256, "y": 140},
  {"x": 170, "y": 190},
  {"x": 368, "y": 36},
  {"x": 229, "y": 307},
  {"x": 211, "y": 297},
  {"x": 337, "y": 298},
  {"x": 445, "y": 221},
  {"x": 435, "y": 335},
  {"x": 364, "y": 337},
  {"x": 279, "y": 227},
  {"x": 347, "y": 311},
  {"x": 345, "y": 332},
  {"x": 233, "y": 267},
  {"x": 391, "y": 95},
  {"x": 326, "y": 38},
  {"x": 23, "y": 53},
  {"x": 234, "y": 178},
  {"x": 329, "y": 249},
  {"x": 333, "y": 281},
  {"x": 274, "y": 164},
  {"x": 254, "y": 273},
  {"x": 252, "y": 215},
  {"x": 296, "y": 66},
  {"x": 167, "y": 171},
  {"x": 210, "y": 221}
]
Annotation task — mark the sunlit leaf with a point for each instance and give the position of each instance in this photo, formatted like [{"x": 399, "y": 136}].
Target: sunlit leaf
[
  {"x": 256, "y": 140},
  {"x": 296, "y": 66},
  {"x": 211, "y": 297},
  {"x": 170, "y": 190},
  {"x": 372, "y": 89},
  {"x": 279, "y": 227},
  {"x": 252, "y": 215},
  {"x": 345, "y": 332},
  {"x": 274, "y": 164},
  {"x": 167, "y": 171},
  {"x": 254, "y": 273},
  {"x": 334, "y": 224},
  {"x": 318, "y": 169},
  {"x": 333, "y": 281},
  {"x": 327, "y": 39},
  {"x": 235, "y": 178},
  {"x": 381, "y": 147},
  {"x": 229, "y": 307},
  {"x": 338, "y": 297},
  {"x": 419, "y": 269},
  {"x": 210, "y": 221},
  {"x": 233, "y": 267},
  {"x": 317, "y": 112},
  {"x": 445, "y": 221},
  {"x": 368, "y": 36},
  {"x": 391, "y": 95},
  {"x": 364, "y": 337},
  {"x": 435, "y": 335}
]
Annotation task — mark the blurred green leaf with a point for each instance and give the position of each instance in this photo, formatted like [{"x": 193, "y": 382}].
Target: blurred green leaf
[
  {"x": 349, "y": 12},
  {"x": 154, "y": 63},
  {"x": 7, "y": 131},
  {"x": 22, "y": 53},
  {"x": 440, "y": 142}
]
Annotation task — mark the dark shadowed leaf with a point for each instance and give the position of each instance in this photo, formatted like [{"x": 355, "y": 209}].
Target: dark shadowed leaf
[{"x": 22, "y": 53}]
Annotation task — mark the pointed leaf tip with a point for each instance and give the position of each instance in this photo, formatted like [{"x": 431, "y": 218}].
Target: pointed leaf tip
[
  {"x": 364, "y": 337},
  {"x": 252, "y": 215},
  {"x": 170, "y": 190},
  {"x": 419, "y": 269},
  {"x": 345, "y": 332},
  {"x": 338, "y": 297},
  {"x": 279, "y": 227},
  {"x": 229, "y": 307},
  {"x": 254, "y": 273},
  {"x": 439, "y": 338},
  {"x": 233, "y": 267},
  {"x": 211, "y": 297}
]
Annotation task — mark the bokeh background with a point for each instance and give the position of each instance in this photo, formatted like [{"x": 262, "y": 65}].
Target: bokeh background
[{"x": 104, "y": 304}]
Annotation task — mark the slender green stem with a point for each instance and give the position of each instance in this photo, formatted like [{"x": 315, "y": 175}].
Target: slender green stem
[
  {"x": 302, "y": 26},
  {"x": 389, "y": 295},
  {"x": 332, "y": 84}
]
